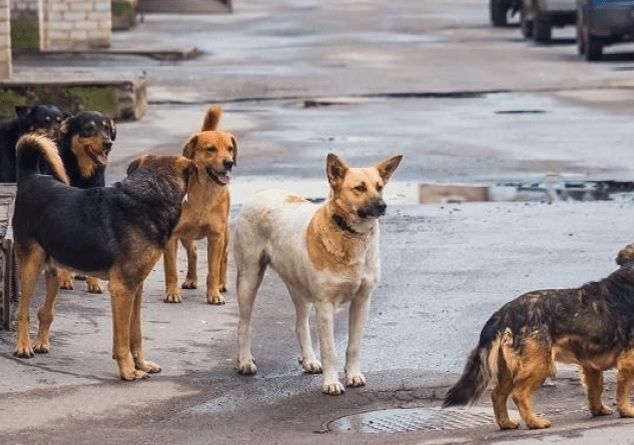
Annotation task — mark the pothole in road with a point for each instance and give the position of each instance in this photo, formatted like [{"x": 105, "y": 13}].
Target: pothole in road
[{"x": 414, "y": 419}]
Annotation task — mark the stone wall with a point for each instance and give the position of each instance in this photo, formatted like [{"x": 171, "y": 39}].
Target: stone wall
[
  {"x": 25, "y": 25},
  {"x": 5, "y": 40},
  {"x": 72, "y": 25}
]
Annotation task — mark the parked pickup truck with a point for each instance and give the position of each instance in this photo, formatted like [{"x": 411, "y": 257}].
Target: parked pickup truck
[
  {"x": 538, "y": 17},
  {"x": 501, "y": 10},
  {"x": 603, "y": 22}
]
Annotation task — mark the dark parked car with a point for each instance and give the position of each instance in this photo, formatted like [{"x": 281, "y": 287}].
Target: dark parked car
[
  {"x": 603, "y": 22},
  {"x": 501, "y": 10},
  {"x": 538, "y": 17}
]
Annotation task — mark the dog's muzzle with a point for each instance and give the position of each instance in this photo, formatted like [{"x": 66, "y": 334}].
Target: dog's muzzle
[{"x": 374, "y": 210}]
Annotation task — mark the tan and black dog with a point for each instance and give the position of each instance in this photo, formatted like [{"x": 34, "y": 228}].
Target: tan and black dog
[
  {"x": 115, "y": 233},
  {"x": 206, "y": 211},
  {"x": 592, "y": 326},
  {"x": 326, "y": 255},
  {"x": 84, "y": 143}
]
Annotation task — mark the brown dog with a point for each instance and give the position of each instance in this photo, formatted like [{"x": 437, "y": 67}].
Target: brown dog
[
  {"x": 115, "y": 233},
  {"x": 592, "y": 325},
  {"x": 205, "y": 212}
]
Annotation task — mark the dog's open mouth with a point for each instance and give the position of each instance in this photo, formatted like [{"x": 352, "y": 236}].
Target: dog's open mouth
[
  {"x": 221, "y": 178},
  {"x": 100, "y": 159}
]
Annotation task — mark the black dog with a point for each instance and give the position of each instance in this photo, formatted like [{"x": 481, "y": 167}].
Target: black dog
[
  {"x": 42, "y": 119},
  {"x": 84, "y": 143},
  {"x": 117, "y": 233}
]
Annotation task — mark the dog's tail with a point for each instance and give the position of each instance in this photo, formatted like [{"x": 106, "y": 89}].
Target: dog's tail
[
  {"x": 212, "y": 118},
  {"x": 30, "y": 149},
  {"x": 481, "y": 366}
]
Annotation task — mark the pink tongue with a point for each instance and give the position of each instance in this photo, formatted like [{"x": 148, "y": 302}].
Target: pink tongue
[{"x": 102, "y": 159}]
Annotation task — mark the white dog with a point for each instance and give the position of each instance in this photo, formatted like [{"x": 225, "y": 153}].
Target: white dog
[{"x": 326, "y": 254}]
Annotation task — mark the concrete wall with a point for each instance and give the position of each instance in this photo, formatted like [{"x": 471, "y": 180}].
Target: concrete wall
[
  {"x": 5, "y": 40},
  {"x": 25, "y": 9},
  {"x": 25, "y": 25},
  {"x": 70, "y": 25}
]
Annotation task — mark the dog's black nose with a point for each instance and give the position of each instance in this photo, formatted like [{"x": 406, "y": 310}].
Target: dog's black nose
[
  {"x": 107, "y": 144},
  {"x": 380, "y": 207},
  {"x": 227, "y": 164}
]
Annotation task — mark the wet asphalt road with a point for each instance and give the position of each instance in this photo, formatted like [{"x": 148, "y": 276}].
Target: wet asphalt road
[{"x": 380, "y": 69}]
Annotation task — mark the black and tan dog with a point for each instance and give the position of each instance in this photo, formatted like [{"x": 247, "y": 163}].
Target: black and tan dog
[
  {"x": 84, "y": 143},
  {"x": 115, "y": 233},
  {"x": 41, "y": 119},
  {"x": 206, "y": 212},
  {"x": 592, "y": 326}
]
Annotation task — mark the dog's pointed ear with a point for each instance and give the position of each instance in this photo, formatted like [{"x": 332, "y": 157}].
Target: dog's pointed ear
[
  {"x": 625, "y": 255},
  {"x": 336, "y": 170},
  {"x": 113, "y": 130},
  {"x": 388, "y": 166},
  {"x": 23, "y": 111},
  {"x": 235, "y": 151},
  {"x": 64, "y": 127},
  {"x": 190, "y": 146}
]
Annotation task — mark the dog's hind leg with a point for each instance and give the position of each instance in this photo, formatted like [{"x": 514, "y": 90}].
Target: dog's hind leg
[
  {"x": 533, "y": 367},
  {"x": 30, "y": 261},
  {"x": 172, "y": 293},
  {"x": 223, "y": 261},
  {"x": 249, "y": 278},
  {"x": 307, "y": 359},
  {"x": 593, "y": 382},
  {"x": 136, "y": 337},
  {"x": 46, "y": 313},
  {"x": 215, "y": 256},
  {"x": 625, "y": 367},
  {"x": 191, "y": 280},
  {"x": 500, "y": 395},
  {"x": 357, "y": 318},
  {"x": 325, "y": 323}
]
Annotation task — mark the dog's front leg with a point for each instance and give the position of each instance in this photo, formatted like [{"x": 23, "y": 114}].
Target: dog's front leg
[
  {"x": 172, "y": 293},
  {"x": 122, "y": 307},
  {"x": 625, "y": 375},
  {"x": 357, "y": 318},
  {"x": 215, "y": 253},
  {"x": 136, "y": 338},
  {"x": 326, "y": 328}
]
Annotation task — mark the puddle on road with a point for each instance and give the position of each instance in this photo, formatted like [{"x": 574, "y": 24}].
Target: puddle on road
[{"x": 411, "y": 192}]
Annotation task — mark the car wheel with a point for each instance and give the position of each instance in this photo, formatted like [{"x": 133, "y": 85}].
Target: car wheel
[
  {"x": 593, "y": 46},
  {"x": 526, "y": 25},
  {"x": 499, "y": 10},
  {"x": 581, "y": 46},
  {"x": 542, "y": 28}
]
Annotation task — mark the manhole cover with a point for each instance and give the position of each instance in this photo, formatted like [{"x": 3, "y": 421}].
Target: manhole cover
[{"x": 414, "y": 419}]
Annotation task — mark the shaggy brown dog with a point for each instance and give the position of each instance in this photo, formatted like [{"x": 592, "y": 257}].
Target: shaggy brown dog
[
  {"x": 115, "y": 233},
  {"x": 206, "y": 211},
  {"x": 592, "y": 326}
]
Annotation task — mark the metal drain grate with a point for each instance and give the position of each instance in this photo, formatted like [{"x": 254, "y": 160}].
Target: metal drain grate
[{"x": 414, "y": 419}]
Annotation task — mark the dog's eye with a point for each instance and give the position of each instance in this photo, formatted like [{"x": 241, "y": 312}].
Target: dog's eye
[
  {"x": 48, "y": 118},
  {"x": 360, "y": 188},
  {"x": 379, "y": 187},
  {"x": 230, "y": 149},
  {"x": 212, "y": 149}
]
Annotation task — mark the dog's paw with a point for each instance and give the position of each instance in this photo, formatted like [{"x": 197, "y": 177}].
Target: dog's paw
[
  {"x": 334, "y": 388},
  {"x": 66, "y": 283},
  {"x": 93, "y": 287},
  {"x": 626, "y": 411},
  {"x": 223, "y": 288},
  {"x": 215, "y": 299},
  {"x": 603, "y": 411},
  {"x": 24, "y": 351},
  {"x": 134, "y": 374},
  {"x": 41, "y": 346},
  {"x": 355, "y": 380},
  {"x": 509, "y": 425},
  {"x": 247, "y": 367},
  {"x": 311, "y": 366},
  {"x": 189, "y": 284},
  {"x": 538, "y": 424},
  {"x": 147, "y": 366},
  {"x": 172, "y": 298}
]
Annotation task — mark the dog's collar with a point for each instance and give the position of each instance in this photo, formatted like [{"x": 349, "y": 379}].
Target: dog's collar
[{"x": 343, "y": 225}]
